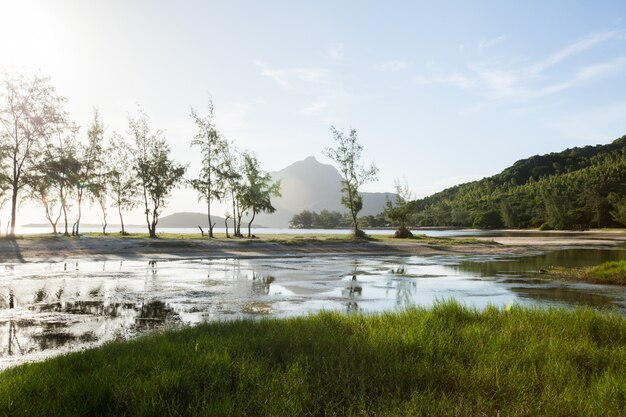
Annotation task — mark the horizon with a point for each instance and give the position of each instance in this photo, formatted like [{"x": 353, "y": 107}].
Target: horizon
[{"x": 438, "y": 95}]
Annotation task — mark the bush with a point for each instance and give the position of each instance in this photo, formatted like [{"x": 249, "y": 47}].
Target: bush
[
  {"x": 488, "y": 220},
  {"x": 359, "y": 234},
  {"x": 545, "y": 226},
  {"x": 403, "y": 233}
]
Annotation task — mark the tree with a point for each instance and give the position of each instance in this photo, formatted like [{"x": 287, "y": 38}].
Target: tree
[
  {"x": 347, "y": 156},
  {"x": 59, "y": 160},
  {"x": 400, "y": 214},
  {"x": 211, "y": 145},
  {"x": 42, "y": 189},
  {"x": 123, "y": 184},
  {"x": 258, "y": 189},
  {"x": 90, "y": 158},
  {"x": 156, "y": 172},
  {"x": 28, "y": 105},
  {"x": 99, "y": 189},
  {"x": 230, "y": 179},
  {"x": 302, "y": 220}
]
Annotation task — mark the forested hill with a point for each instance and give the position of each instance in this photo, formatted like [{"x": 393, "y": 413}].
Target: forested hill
[{"x": 578, "y": 188}]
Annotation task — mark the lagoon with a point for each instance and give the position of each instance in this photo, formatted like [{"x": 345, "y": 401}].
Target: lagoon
[{"x": 64, "y": 306}]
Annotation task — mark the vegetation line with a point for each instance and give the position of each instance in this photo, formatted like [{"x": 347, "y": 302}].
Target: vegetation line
[
  {"x": 450, "y": 360},
  {"x": 605, "y": 273}
]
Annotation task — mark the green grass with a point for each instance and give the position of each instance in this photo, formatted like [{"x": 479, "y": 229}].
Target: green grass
[
  {"x": 605, "y": 273},
  {"x": 449, "y": 360}
]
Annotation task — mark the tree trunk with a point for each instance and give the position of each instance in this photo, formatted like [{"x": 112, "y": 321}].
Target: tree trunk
[
  {"x": 13, "y": 208},
  {"x": 119, "y": 210},
  {"x": 145, "y": 199},
  {"x": 64, "y": 213},
  {"x": 234, "y": 218},
  {"x": 80, "y": 199},
  {"x": 226, "y": 225},
  {"x": 250, "y": 223},
  {"x": 208, "y": 205},
  {"x": 104, "y": 219}
]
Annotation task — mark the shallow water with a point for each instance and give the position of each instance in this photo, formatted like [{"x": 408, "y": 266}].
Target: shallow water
[{"x": 58, "y": 307}]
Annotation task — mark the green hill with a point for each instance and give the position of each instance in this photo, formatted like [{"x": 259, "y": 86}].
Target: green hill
[{"x": 577, "y": 188}]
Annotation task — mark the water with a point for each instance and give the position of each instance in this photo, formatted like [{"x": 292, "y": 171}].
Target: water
[{"x": 59, "y": 307}]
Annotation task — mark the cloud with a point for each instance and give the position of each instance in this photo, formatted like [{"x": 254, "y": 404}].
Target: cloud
[
  {"x": 286, "y": 77},
  {"x": 454, "y": 79},
  {"x": 315, "y": 89},
  {"x": 502, "y": 80},
  {"x": 315, "y": 107},
  {"x": 393, "y": 65},
  {"x": 575, "y": 49},
  {"x": 490, "y": 43},
  {"x": 336, "y": 52}
]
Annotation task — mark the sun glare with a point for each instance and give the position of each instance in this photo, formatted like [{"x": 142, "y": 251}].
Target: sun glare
[{"x": 32, "y": 34}]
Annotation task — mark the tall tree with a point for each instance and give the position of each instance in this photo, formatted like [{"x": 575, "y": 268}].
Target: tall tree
[
  {"x": 122, "y": 182},
  {"x": 347, "y": 155},
  {"x": 258, "y": 188},
  {"x": 60, "y": 157},
  {"x": 212, "y": 146},
  {"x": 231, "y": 178},
  {"x": 27, "y": 107},
  {"x": 156, "y": 172},
  {"x": 90, "y": 161}
]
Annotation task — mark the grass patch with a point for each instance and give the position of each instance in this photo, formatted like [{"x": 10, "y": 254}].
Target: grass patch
[
  {"x": 606, "y": 273},
  {"x": 450, "y": 360},
  {"x": 451, "y": 241}
]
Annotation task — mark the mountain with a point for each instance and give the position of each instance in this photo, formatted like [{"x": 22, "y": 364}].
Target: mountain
[
  {"x": 311, "y": 185},
  {"x": 186, "y": 219},
  {"x": 577, "y": 188}
]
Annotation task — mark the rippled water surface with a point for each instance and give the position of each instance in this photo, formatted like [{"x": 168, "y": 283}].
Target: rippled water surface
[{"x": 46, "y": 309}]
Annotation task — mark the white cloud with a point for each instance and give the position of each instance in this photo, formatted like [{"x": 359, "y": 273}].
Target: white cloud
[
  {"x": 336, "y": 52},
  {"x": 315, "y": 107},
  {"x": 490, "y": 43},
  {"x": 455, "y": 79},
  {"x": 498, "y": 80},
  {"x": 393, "y": 65},
  {"x": 286, "y": 77},
  {"x": 575, "y": 49}
]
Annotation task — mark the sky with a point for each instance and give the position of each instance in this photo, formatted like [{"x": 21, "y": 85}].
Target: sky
[{"x": 440, "y": 92}]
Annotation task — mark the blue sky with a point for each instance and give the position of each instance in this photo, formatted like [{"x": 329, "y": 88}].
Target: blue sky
[{"x": 440, "y": 93}]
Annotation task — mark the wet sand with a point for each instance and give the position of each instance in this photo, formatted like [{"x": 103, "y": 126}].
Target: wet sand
[{"x": 99, "y": 248}]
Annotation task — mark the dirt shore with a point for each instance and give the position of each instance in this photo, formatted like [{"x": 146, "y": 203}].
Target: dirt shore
[{"x": 44, "y": 249}]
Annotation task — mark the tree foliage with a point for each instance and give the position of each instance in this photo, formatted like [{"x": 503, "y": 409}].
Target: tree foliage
[
  {"x": 578, "y": 188},
  {"x": 402, "y": 211},
  {"x": 347, "y": 154},
  {"x": 212, "y": 147},
  {"x": 258, "y": 188},
  {"x": 157, "y": 174}
]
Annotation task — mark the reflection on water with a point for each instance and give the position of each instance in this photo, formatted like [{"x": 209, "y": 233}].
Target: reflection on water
[{"x": 47, "y": 309}]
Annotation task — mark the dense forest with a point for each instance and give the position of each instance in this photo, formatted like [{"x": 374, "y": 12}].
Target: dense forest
[
  {"x": 326, "y": 219},
  {"x": 578, "y": 188}
]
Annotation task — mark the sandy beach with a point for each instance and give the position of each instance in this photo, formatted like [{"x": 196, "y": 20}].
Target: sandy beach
[{"x": 43, "y": 249}]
